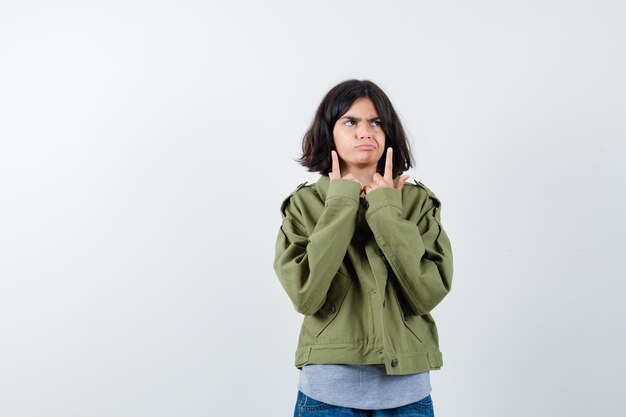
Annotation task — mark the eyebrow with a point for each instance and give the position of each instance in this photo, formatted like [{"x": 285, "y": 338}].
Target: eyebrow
[{"x": 358, "y": 119}]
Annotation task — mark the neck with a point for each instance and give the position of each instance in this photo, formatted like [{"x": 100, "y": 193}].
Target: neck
[{"x": 365, "y": 174}]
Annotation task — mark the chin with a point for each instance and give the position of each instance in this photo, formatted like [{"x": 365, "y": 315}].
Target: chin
[{"x": 365, "y": 163}]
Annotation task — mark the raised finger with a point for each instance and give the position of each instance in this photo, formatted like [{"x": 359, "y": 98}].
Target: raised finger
[
  {"x": 335, "y": 158},
  {"x": 389, "y": 165}
]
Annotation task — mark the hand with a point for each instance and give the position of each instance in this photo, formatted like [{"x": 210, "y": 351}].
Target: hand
[
  {"x": 335, "y": 174},
  {"x": 378, "y": 181}
]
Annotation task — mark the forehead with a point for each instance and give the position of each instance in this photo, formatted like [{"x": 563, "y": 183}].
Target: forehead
[{"x": 362, "y": 106}]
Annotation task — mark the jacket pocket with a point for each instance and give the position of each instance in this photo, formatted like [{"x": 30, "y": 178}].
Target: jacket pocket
[
  {"x": 316, "y": 323},
  {"x": 416, "y": 325}
]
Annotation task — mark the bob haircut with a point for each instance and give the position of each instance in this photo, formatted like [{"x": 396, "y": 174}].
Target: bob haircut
[{"x": 318, "y": 141}]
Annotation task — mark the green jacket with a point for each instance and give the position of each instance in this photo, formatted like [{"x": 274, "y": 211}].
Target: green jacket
[{"x": 365, "y": 273}]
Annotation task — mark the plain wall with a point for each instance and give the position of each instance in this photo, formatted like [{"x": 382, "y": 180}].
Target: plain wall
[{"x": 145, "y": 148}]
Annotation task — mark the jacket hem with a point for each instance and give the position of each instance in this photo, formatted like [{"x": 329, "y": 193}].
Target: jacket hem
[{"x": 395, "y": 363}]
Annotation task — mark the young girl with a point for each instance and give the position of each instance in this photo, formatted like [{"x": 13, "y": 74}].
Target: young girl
[{"x": 363, "y": 256}]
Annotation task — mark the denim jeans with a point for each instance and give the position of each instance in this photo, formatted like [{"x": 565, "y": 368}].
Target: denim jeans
[{"x": 308, "y": 407}]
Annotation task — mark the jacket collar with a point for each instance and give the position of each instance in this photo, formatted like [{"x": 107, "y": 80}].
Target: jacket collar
[{"x": 322, "y": 186}]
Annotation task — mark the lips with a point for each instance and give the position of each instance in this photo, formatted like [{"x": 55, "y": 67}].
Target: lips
[{"x": 365, "y": 147}]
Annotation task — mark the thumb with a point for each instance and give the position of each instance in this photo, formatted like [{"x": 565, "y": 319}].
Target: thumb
[{"x": 401, "y": 182}]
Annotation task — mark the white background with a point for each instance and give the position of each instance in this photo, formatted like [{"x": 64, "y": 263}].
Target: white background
[{"x": 145, "y": 148}]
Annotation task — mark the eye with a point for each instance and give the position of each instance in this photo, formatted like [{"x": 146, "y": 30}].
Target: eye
[
  {"x": 377, "y": 123},
  {"x": 350, "y": 121}
]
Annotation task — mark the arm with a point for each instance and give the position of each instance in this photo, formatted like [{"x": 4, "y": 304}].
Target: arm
[
  {"x": 306, "y": 265},
  {"x": 419, "y": 254}
]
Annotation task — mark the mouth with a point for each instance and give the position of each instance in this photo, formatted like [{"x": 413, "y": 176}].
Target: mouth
[{"x": 365, "y": 147}]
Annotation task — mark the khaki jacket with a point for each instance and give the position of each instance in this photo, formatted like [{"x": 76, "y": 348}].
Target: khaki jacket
[{"x": 365, "y": 272}]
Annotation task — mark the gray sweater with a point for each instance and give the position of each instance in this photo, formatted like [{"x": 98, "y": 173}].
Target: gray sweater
[{"x": 367, "y": 387}]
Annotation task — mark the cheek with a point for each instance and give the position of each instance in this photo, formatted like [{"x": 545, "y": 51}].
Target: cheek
[
  {"x": 381, "y": 145},
  {"x": 336, "y": 137},
  {"x": 340, "y": 142}
]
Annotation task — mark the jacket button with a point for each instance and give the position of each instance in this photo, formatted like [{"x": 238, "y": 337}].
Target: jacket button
[
  {"x": 379, "y": 252},
  {"x": 405, "y": 316},
  {"x": 394, "y": 362},
  {"x": 332, "y": 309},
  {"x": 366, "y": 204}
]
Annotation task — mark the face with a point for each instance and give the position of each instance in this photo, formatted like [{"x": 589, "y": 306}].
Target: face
[{"x": 359, "y": 137}]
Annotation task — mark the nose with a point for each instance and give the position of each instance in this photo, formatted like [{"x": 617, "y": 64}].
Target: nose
[{"x": 364, "y": 132}]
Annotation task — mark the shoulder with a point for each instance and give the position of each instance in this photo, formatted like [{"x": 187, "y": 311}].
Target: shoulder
[
  {"x": 420, "y": 195},
  {"x": 302, "y": 190},
  {"x": 427, "y": 191},
  {"x": 422, "y": 191}
]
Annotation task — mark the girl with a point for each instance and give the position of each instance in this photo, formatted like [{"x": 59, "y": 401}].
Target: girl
[{"x": 363, "y": 256}]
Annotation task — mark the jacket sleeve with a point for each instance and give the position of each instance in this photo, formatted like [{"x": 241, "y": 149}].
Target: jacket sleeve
[
  {"x": 307, "y": 263},
  {"x": 419, "y": 253}
]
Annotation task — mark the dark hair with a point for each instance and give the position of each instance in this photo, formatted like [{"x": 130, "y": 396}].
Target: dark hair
[{"x": 318, "y": 140}]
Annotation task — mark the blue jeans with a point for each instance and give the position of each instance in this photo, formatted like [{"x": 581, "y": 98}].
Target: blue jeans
[{"x": 308, "y": 407}]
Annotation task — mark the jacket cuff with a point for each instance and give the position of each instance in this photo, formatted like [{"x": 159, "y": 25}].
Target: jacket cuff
[
  {"x": 343, "y": 188},
  {"x": 382, "y": 197}
]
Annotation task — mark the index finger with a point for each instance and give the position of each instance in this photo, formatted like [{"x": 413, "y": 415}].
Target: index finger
[
  {"x": 336, "y": 170},
  {"x": 389, "y": 165}
]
